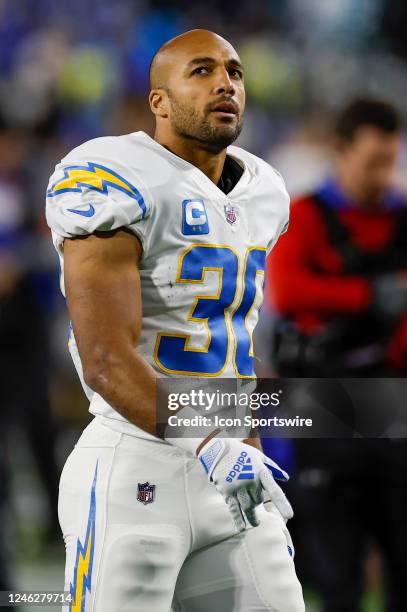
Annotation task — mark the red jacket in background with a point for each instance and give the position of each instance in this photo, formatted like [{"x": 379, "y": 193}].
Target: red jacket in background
[{"x": 307, "y": 279}]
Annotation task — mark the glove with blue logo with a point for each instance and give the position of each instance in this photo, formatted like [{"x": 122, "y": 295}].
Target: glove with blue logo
[{"x": 245, "y": 477}]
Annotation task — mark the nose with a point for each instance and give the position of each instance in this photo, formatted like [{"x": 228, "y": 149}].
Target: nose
[{"x": 224, "y": 83}]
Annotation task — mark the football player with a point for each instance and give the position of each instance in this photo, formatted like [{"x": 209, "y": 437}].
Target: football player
[{"x": 162, "y": 243}]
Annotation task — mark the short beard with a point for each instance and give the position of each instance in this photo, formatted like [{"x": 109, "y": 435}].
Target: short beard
[{"x": 187, "y": 123}]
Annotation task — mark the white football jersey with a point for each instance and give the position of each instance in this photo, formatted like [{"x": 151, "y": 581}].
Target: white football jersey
[{"x": 204, "y": 251}]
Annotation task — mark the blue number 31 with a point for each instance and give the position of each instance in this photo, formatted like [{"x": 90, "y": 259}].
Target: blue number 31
[{"x": 173, "y": 353}]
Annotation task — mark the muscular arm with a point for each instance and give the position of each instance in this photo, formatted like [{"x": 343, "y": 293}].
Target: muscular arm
[{"x": 102, "y": 284}]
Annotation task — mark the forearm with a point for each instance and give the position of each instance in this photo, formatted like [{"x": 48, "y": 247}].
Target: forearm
[{"x": 127, "y": 382}]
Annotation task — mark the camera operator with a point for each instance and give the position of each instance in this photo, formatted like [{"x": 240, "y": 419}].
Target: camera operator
[{"x": 338, "y": 281}]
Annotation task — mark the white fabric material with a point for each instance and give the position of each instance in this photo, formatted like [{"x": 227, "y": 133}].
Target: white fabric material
[
  {"x": 180, "y": 436},
  {"x": 131, "y": 181},
  {"x": 243, "y": 476},
  {"x": 128, "y": 556}
]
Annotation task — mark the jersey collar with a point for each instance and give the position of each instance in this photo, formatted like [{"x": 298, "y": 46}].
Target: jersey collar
[{"x": 200, "y": 176}]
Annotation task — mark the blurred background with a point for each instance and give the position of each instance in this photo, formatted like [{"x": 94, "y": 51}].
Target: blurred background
[{"x": 73, "y": 71}]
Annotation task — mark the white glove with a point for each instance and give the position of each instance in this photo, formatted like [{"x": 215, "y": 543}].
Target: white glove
[{"x": 245, "y": 477}]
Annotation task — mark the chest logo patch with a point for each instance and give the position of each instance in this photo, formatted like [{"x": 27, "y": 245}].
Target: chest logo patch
[
  {"x": 146, "y": 493},
  {"x": 231, "y": 214},
  {"x": 194, "y": 218}
]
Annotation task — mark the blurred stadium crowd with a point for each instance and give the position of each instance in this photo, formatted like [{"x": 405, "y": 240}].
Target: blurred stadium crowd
[{"x": 73, "y": 71}]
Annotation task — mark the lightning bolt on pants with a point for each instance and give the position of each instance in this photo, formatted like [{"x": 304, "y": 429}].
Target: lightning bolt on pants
[{"x": 145, "y": 531}]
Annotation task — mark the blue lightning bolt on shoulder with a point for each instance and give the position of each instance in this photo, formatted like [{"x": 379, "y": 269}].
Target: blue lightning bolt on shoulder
[{"x": 97, "y": 178}]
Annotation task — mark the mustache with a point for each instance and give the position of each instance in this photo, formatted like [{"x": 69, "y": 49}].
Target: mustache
[{"x": 223, "y": 100}]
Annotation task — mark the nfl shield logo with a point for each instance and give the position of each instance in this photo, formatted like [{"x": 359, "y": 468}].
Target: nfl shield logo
[
  {"x": 230, "y": 214},
  {"x": 146, "y": 493}
]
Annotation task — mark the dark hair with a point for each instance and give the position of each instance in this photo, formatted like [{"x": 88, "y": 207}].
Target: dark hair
[{"x": 367, "y": 111}]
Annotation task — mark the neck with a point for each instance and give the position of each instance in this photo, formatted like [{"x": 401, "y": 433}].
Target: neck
[{"x": 209, "y": 162}]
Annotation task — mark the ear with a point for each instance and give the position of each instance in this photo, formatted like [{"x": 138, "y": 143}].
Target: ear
[{"x": 158, "y": 99}]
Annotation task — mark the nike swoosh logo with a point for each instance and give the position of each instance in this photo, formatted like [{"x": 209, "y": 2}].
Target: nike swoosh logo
[{"x": 85, "y": 213}]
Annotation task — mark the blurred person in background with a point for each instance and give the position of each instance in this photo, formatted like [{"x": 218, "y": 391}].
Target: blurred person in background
[
  {"x": 24, "y": 332},
  {"x": 343, "y": 293},
  {"x": 337, "y": 280}
]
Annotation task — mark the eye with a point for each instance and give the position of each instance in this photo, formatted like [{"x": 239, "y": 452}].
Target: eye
[
  {"x": 235, "y": 73},
  {"x": 201, "y": 70}
]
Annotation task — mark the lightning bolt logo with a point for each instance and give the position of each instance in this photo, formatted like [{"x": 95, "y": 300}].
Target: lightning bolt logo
[
  {"x": 95, "y": 177},
  {"x": 84, "y": 558}
]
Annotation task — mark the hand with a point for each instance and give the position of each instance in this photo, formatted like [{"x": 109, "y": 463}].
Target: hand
[{"x": 245, "y": 477}]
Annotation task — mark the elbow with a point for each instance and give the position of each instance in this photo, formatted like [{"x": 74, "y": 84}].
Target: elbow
[
  {"x": 99, "y": 368},
  {"x": 97, "y": 380}
]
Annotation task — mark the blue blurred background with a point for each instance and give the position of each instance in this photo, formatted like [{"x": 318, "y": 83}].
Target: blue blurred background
[{"x": 70, "y": 71}]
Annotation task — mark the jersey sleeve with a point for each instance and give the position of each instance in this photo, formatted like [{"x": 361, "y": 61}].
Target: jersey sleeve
[
  {"x": 283, "y": 198},
  {"x": 88, "y": 193}
]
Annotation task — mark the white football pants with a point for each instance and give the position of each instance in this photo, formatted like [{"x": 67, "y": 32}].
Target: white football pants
[{"x": 171, "y": 544}]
